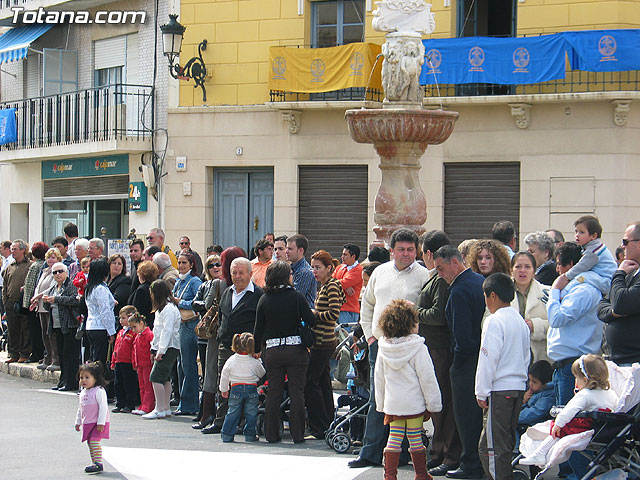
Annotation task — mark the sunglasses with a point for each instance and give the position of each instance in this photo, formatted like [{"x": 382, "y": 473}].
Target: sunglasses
[
  {"x": 217, "y": 264},
  {"x": 626, "y": 242},
  {"x": 149, "y": 238},
  {"x": 184, "y": 243},
  {"x": 56, "y": 272}
]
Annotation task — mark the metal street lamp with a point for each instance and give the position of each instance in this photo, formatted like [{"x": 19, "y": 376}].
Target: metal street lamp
[{"x": 172, "y": 34}]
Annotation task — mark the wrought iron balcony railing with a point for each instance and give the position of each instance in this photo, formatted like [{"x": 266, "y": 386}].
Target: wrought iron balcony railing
[
  {"x": 346, "y": 94},
  {"x": 575, "y": 82},
  {"x": 109, "y": 112}
]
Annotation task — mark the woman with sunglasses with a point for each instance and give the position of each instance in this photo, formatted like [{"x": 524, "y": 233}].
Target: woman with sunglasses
[
  {"x": 62, "y": 302},
  {"x": 207, "y": 293}
]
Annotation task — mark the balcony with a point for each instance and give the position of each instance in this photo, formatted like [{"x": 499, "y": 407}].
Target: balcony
[{"x": 107, "y": 119}]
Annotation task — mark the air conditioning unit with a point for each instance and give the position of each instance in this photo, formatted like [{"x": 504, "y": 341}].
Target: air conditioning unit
[{"x": 148, "y": 176}]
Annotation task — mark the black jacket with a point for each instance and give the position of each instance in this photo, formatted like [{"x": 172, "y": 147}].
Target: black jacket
[
  {"x": 240, "y": 319},
  {"x": 431, "y": 306},
  {"x": 67, "y": 307},
  {"x": 279, "y": 314},
  {"x": 141, "y": 299},
  {"x": 120, "y": 288},
  {"x": 622, "y": 333},
  {"x": 547, "y": 273}
]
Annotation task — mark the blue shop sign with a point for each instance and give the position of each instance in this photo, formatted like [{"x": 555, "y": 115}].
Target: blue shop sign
[{"x": 86, "y": 167}]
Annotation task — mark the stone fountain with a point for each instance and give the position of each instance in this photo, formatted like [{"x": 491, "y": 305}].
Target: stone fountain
[{"x": 402, "y": 129}]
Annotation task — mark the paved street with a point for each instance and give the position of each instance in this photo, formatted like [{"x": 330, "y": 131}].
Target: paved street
[{"x": 39, "y": 442}]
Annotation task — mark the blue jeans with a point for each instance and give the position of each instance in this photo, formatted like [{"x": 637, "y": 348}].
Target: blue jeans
[
  {"x": 564, "y": 388},
  {"x": 242, "y": 399},
  {"x": 188, "y": 368},
  {"x": 348, "y": 317}
]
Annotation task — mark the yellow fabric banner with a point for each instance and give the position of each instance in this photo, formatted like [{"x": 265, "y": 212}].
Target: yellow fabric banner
[{"x": 311, "y": 70}]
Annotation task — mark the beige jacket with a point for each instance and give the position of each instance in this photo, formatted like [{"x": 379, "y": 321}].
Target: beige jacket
[{"x": 536, "y": 311}]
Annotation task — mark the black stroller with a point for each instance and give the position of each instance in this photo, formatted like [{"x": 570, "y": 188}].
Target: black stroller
[{"x": 351, "y": 411}]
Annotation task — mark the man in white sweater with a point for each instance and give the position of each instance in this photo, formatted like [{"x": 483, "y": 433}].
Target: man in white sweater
[
  {"x": 401, "y": 278},
  {"x": 501, "y": 375}
]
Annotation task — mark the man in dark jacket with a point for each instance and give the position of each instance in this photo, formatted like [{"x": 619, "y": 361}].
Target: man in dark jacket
[
  {"x": 238, "y": 314},
  {"x": 19, "y": 345},
  {"x": 621, "y": 310},
  {"x": 445, "y": 447},
  {"x": 464, "y": 311}
]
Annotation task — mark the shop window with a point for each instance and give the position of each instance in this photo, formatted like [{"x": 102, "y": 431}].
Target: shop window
[{"x": 337, "y": 22}]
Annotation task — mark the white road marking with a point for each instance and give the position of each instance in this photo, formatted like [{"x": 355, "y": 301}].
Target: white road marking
[{"x": 150, "y": 464}]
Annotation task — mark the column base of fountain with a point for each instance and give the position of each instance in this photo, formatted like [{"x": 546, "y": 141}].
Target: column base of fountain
[{"x": 383, "y": 233}]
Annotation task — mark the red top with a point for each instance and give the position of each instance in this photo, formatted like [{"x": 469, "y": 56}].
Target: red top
[
  {"x": 123, "y": 348},
  {"x": 142, "y": 349},
  {"x": 350, "y": 279},
  {"x": 80, "y": 281}
]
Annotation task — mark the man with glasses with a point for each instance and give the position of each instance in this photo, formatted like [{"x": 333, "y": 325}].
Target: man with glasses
[
  {"x": 185, "y": 246},
  {"x": 621, "y": 310},
  {"x": 155, "y": 238}
]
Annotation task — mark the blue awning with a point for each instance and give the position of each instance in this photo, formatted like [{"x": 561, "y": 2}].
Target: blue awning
[{"x": 14, "y": 44}]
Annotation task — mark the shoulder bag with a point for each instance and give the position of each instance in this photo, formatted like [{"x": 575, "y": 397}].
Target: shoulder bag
[
  {"x": 307, "y": 335},
  {"x": 207, "y": 327},
  {"x": 185, "y": 314}
]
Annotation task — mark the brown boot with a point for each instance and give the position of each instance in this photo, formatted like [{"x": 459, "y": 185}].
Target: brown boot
[
  {"x": 390, "y": 460},
  {"x": 419, "y": 460}
]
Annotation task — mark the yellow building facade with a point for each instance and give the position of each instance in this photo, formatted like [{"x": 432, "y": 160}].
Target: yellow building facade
[
  {"x": 240, "y": 33},
  {"x": 545, "y": 154}
]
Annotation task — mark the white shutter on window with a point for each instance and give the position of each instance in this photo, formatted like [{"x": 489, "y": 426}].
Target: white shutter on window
[
  {"x": 132, "y": 59},
  {"x": 110, "y": 52},
  {"x": 33, "y": 75}
]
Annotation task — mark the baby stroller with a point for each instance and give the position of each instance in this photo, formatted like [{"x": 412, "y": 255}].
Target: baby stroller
[
  {"x": 351, "y": 411},
  {"x": 284, "y": 408},
  {"x": 614, "y": 440}
]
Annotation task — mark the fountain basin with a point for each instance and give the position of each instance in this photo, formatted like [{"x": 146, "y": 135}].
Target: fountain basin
[{"x": 429, "y": 127}]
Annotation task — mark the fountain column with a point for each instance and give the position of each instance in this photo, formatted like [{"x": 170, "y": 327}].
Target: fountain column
[{"x": 401, "y": 131}]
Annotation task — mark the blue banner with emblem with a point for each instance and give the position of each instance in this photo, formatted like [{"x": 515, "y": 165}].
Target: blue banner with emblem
[
  {"x": 604, "y": 50},
  {"x": 8, "y": 129},
  {"x": 507, "y": 61}
]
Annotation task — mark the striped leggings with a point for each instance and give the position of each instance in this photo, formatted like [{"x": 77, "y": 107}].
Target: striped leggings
[
  {"x": 95, "y": 450},
  {"x": 413, "y": 429}
]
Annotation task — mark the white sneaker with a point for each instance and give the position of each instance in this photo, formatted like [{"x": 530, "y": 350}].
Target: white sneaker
[
  {"x": 139, "y": 412},
  {"x": 168, "y": 413},
  {"x": 153, "y": 415},
  {"x": 539, "y": 460}
]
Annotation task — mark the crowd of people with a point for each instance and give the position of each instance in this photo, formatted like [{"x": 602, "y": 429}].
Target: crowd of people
[{"x": 502, "y": 328}]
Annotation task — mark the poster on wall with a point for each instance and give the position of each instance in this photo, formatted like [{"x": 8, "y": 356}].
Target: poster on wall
[{"x": 121, "y": 246}]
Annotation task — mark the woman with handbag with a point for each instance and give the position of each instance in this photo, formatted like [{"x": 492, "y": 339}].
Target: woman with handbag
[
  {"x": 184, "y": 292},
  {"x": 318, "y": 392},
  {"x": 279, "y": 316},
  {"x": 206, "y": 304},
  {"x": 62, "y": 302}
]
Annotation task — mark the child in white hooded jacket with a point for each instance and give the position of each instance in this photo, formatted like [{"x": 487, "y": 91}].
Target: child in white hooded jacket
[{"x": 406, "y": 388}]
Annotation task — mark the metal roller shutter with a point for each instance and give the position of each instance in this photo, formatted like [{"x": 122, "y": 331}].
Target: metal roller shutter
[
  {"x": 476, "y": 195},
  {"x": 333, "y": 204},
  {"x": 110, "y": 52},
  {"x": 87, "y": 186}
]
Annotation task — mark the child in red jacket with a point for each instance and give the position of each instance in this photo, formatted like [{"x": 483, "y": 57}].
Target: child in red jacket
[
  {"x": 126, "y": 381},
  {"x": 80, "y": 280},
  {"x": 142, "y": 362}
]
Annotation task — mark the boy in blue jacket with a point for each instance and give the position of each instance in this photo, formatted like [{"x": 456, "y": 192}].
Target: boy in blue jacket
[{"x": 540, "y": 396}]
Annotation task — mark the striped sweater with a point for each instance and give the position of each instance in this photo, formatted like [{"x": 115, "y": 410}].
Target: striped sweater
[{"x": 327, "y": 310}]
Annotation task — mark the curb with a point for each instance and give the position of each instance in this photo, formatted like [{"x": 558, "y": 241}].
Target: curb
[{"x": 27, "y": 370}]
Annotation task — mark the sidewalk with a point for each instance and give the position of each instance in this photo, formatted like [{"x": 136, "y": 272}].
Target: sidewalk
[{"x": 27, "y": 370}]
